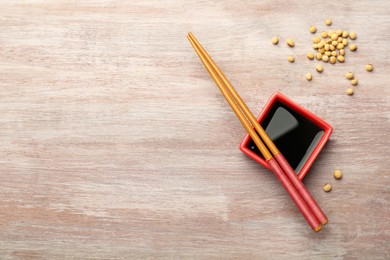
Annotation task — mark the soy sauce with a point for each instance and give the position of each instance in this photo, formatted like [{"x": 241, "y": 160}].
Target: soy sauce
[{"x": 295, "y": 136}]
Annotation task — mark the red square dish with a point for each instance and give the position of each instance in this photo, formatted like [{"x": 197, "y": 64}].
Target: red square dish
[{"x": 299, "y": 134}]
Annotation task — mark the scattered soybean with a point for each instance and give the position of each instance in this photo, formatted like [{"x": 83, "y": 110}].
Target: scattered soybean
[
  {"x": 352, "y": 35},
  {"x": 337, "y": 174},
  {"x": 324, "y": 34},
  {"x": 327, "y": 187},
  {"x": 290, "y": 43},
  {"x": 349, "y": 75},
  {"x": 369, "y": 67},
  {"x": 353, "y": 47}
]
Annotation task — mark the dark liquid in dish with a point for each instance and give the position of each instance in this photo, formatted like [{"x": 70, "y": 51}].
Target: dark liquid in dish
[{"x": 295, "y": 136}]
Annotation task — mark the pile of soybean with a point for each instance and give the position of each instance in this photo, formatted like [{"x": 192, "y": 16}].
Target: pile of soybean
[{"x": 329, "y": 47}]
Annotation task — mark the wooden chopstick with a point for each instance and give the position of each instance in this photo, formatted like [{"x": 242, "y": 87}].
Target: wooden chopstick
[
  {"x": 264, "y": 136},
  {"x": 237, "y": 98},
  {"x": 232, "y": 97}
]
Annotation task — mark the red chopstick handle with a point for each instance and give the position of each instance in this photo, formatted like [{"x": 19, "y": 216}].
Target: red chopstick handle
[
  {"x": 294, "y": 194},
  {"x": 301, "y": 188}
]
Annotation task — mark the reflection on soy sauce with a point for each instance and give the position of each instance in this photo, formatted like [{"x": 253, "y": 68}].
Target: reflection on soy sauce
[{"x": 295, "y": 136}]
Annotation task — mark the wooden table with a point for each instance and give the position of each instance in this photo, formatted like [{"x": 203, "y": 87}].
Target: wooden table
[{"x": 116, "y": 144}]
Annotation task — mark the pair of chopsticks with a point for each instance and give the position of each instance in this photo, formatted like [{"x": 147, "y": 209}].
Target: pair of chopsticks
[{"x": 279, "y": 165}]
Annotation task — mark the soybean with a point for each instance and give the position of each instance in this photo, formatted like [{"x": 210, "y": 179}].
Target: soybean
[
  {"x": 340, "y": 58},
  {"x": 310, "y": 55},
  {"x": 313, "y": 29},
  {"x": 324, "y": 34},
  {"x": 290, "y": 59},
  {"x": 319, "y": 68},
  {"x": 334, "y": 36},
  {"x": 325, "y": 58},
  {"x": 352, "y": 35},
  {"x": 326, "y": 47},
  {"x": 308, "y": 76},
  {"x": 275, "y": 40},
  {"x": 337, "y": 174},
  {"x": 354, "y": 82},
  {"x": 332, "y": 59},
  {"x": 353, "y": 47},
  {"x": 345, "y": 34},
  {"x": 290, "y": 43},
  {"x": 349, "y": 75},
  {"x": 316, "y": 39},
  {"x": 327, "y": 187},
  {"x": 369, "y": 67},
  {"x": 350, "y": 91},
  {"x": 328, "y": 22},
  {"x": 319, "y": 56}
]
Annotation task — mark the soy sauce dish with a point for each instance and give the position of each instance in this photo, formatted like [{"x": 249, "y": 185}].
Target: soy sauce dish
[{"x": 299, "y": 134}]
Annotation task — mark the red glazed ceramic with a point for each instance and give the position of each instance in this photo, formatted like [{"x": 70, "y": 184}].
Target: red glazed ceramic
[{"x": 299, "y": 134}]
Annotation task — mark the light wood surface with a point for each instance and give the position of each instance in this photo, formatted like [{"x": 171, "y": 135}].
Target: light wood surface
[{"x": 116, "y": 144}]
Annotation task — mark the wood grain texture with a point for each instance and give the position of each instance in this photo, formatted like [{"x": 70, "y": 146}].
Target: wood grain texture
[{"x": 116, "y": 144}]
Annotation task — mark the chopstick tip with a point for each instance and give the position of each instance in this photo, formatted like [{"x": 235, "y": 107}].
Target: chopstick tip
[{"x": 318, "y": 228}]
